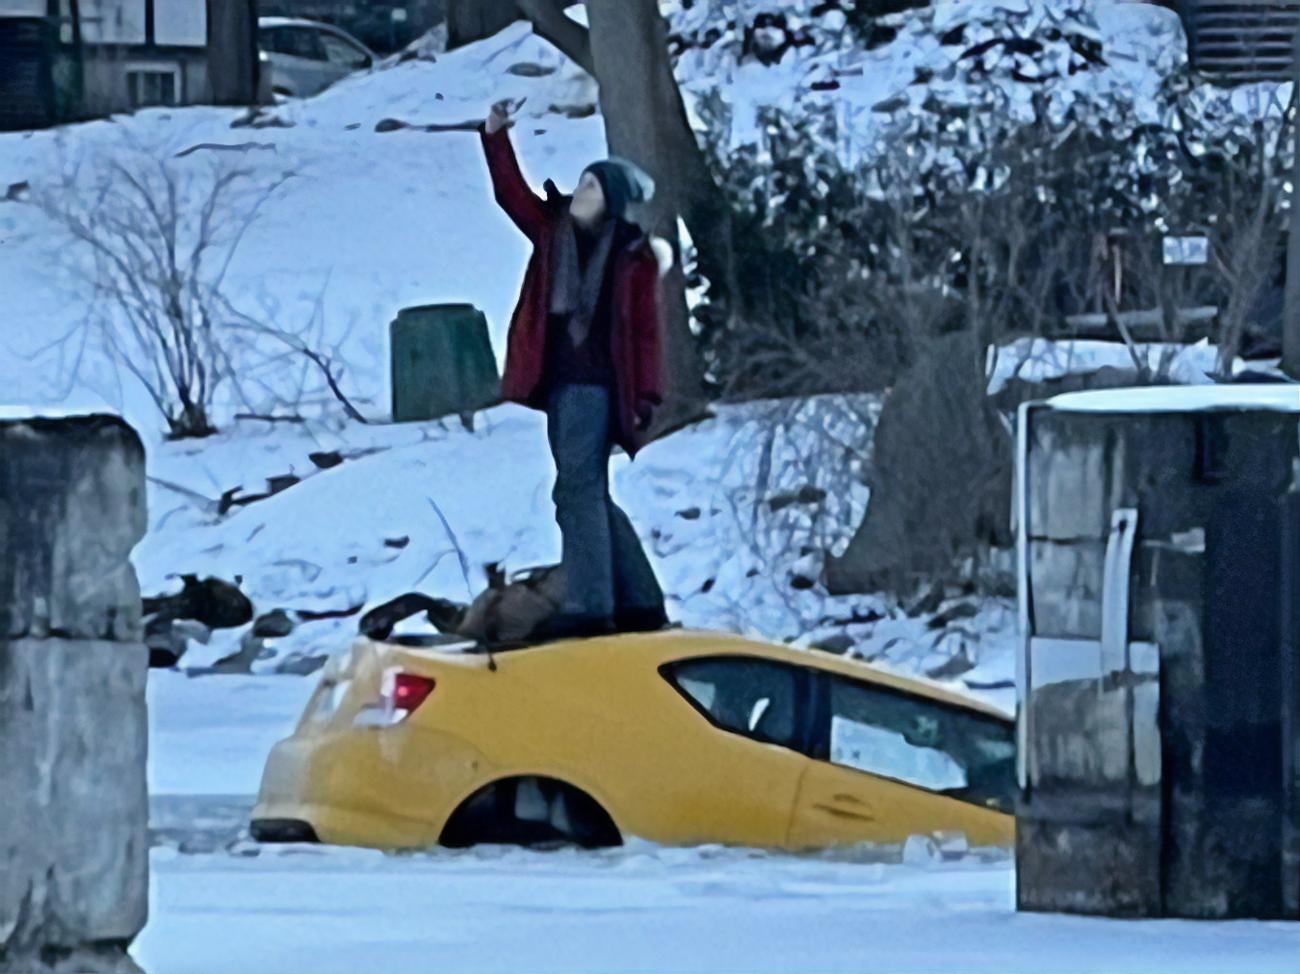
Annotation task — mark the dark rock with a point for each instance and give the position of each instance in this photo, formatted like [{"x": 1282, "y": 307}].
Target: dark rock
[
  {"x": 855, "y": 618},
  {"x": 689, "y": 514},
  {"x": 529, "y": 69},
  {"x": 274, "y": 624},
  {"x": 962, "y": 610},
  {"x": 839, "y": 644},
  {"x": 301, "y": 664},
  {"x": 282, "y": 482},
  {"x": 398, "y": 543},
  {"x": 213, "y": 602},
  {"x": 326, "y": 459},
  {"x": 581, "y": 110},
  {"x": 169, "y": 639},
  {"x": 891, "y": 105},
  {"x": 802, "y": 583},
  {"x": 955, "y": 667},
  {"x": 926, "y": 602},
  {"x": 807, "y": 494}
]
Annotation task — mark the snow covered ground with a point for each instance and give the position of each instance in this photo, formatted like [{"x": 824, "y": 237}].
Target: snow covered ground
[{"x": 644, "y": 908}]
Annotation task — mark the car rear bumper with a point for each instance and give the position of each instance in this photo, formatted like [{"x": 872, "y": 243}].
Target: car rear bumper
[{"x": 381, "y": 789}]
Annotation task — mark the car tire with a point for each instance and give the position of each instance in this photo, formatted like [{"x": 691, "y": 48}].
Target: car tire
[{"x": 530, "y": 811}]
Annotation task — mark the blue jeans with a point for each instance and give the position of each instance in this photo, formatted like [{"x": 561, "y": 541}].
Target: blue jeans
[{"x": 606, "y": 569}]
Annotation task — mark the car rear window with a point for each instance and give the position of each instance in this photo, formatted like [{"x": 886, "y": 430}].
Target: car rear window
[
  {"x": 944, "y": 749},
  {"x": 751, "y": 697}
]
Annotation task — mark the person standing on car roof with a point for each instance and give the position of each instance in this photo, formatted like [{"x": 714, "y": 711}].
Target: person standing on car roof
[{"x": 585, "y": 346}]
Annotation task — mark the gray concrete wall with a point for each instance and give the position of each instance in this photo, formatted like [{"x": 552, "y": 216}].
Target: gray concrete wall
[
  {"x": 73, "y": 732},
  {"x": 1165, "y": 789}
]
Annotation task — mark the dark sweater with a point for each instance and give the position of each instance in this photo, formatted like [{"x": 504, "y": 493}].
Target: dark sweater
[{"x": 589, "y": 363}]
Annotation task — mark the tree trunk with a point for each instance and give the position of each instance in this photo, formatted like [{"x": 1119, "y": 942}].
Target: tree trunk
[
  {"x": 472, "y": 20},
  {"x": 1291, "y": 313},
  {"x": 233, "y": 64},
  {"x": 645, "y": 121},
  {"x": 941, "y": 476}
]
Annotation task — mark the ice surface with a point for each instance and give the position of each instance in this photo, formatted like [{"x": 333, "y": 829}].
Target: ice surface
[{"x": 306, "y": 910}]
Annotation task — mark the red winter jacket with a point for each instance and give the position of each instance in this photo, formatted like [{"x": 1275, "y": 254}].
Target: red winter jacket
[{"x": 635, "y": 332}]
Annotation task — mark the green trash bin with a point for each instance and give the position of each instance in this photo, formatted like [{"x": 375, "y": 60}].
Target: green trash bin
[{"x": 442, "y": 362}]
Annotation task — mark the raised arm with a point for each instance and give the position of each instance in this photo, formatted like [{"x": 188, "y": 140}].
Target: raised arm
[{"x": 513, "y": 193}]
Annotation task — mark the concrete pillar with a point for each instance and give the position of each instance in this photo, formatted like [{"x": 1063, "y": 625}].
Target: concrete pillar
[
  {"x": 73, "y": 799},
  {"x": 1160, "y": 683}
]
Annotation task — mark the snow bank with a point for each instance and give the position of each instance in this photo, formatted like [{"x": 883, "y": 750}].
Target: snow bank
[
  {"x": 1282, "y": 397},
  {"x": 368, "y": 223},
  {"x": 1041, "y": 359}
]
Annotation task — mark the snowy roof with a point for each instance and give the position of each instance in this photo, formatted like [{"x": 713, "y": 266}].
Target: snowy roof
[{"x": 1281, "y": 397}]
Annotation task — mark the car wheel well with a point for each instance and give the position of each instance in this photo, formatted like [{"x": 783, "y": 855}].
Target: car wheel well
[{"x": 530, "y": 810}]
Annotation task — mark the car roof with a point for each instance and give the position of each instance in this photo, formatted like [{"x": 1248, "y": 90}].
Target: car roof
[
  {"x": 676, "y": 645},
  {"x": 689, "y": 644},
  {"x": 266, "y": 23},
  {"x": 288, "y": 22}
]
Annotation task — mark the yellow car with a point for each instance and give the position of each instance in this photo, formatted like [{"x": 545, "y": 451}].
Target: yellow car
[{"x": 678, "y": 737}]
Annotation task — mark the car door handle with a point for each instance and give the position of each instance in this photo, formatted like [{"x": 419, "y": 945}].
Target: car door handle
[{"x": 847, "y": 806}]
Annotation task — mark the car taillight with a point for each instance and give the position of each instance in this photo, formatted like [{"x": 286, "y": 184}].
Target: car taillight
[
  {"x": 409, "y": 691},
  {"x": 400, "y": 694}
]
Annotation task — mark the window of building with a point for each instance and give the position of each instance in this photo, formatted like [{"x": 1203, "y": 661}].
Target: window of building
[{"x": 153, "y": 84}]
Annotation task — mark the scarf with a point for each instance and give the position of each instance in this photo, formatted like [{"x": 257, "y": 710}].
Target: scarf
[{"x": 575, "y": 288}]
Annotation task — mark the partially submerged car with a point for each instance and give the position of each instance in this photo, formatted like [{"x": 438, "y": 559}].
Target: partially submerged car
[{"x": 678, "y": 737}]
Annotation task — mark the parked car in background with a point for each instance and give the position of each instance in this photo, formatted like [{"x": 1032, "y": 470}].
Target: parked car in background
[
  {"x": 678, "y": 737},
  {"x": 307, "y": 56}
]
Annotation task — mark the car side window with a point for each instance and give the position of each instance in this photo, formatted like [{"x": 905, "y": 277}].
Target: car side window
[
  {"x": 340, "y": 52},
  {"x": 943, "y": 749},
  {"x": 301, "y": 42},
  {"x": 755, "y": 698}
]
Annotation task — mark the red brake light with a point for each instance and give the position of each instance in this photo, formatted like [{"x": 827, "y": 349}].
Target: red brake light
[{"x": 410, "y": 690}]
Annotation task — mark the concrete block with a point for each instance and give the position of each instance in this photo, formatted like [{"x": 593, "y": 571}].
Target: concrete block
[{"x": 72, "y": 506}]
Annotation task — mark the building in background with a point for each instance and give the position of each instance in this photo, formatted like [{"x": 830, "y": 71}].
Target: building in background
[
  {"x": 62, "y": 60},
  {"x": 1240, "y": 41}
]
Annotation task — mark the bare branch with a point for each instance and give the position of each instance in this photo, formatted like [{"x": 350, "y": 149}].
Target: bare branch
[{"x": 550, "y": 22}]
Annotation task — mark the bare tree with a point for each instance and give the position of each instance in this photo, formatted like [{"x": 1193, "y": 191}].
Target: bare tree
[{"x": 161, "y": 239}]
